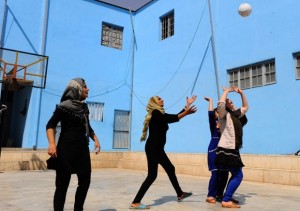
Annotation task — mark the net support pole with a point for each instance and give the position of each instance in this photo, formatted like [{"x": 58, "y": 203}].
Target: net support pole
[{"x": 214, "y": 50}]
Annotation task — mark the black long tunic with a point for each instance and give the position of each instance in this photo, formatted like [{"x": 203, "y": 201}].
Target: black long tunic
[
  {"x": 158, "y": 128},
  {"x": 72, "y": 148}
]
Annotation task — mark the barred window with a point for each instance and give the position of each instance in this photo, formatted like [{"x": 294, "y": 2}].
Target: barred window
[
  {"x": 270, "y": 72},
  {"x": 121, "y": 129},
  {"x": 259, "y": 74},
  {"x": 96, "y": 111},
  {"x": 233, "y": 78},
  {"x": 245, "y": 77},
  {"x": 297, "y": 65},
  {"x": 256, "y": 75},
  {"x": 167, "y": 25},
  {"x": 112, "y": 36}
]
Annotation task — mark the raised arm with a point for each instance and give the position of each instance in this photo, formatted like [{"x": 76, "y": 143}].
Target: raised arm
[
  {"x": 226, "y": 90},
  {"x": 188, "y": 109},
  {"x": 210, "y": 103},
  {"x": 245, "y": 106},
  {"x": 222, "y": 103}
]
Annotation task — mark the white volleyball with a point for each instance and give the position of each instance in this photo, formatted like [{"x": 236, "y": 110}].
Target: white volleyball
[{"x": 245, "y": 9}]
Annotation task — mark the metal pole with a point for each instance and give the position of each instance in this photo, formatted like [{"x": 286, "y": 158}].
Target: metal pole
[
  {"x": 132, "y": 76},
  {"x": 214, "y": 50},
  {"x": 1, "y": 45},
  {"x": 3, "y": 24},
  {"x": 43, "y": 49}
]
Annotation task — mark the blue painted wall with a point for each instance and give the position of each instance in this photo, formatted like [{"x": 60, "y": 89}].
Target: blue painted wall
[
  {"x": 269, "y": 32},
  {"x": 23, "y": 31},
  {"x": 167, "y": 68},
  {"x": 75, "y": 50}
]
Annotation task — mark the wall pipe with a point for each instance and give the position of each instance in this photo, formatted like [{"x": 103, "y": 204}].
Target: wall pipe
[
  {"x": 43, "y": 50},
  {"x": 132, "y": 78}
]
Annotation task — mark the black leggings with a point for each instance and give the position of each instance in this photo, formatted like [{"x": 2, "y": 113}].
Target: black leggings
[
  {"x": 62, "y": 183},
  {"x": 153, "y": 159}
]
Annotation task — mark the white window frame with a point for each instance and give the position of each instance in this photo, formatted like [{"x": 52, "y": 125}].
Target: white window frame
[{"x": 253, "y": 75}]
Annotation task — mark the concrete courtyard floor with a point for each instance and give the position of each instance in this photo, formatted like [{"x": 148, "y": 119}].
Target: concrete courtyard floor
[{"x": 114, "y": 189}]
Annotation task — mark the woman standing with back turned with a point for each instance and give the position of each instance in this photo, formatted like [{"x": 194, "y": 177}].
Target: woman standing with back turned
[{"x": 231, "y": 122}]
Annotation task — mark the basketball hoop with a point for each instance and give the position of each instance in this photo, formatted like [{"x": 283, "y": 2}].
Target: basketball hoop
[{"x": 20, "y": 69}]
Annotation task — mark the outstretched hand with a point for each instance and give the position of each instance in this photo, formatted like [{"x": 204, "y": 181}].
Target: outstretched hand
[
  {"x": 237, "y": 89},
  {"x": 232, "y": 89},
  {"x": 191, "y": 100},
  {"x": 191, "y": 110},
  {"x": 227, "y": 89},
  {"x": 207, "y": 99},
  {"x": 188, "y": 108}
]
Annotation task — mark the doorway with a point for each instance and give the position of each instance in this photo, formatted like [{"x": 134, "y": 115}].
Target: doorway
[{"x": 16, "y": 98}]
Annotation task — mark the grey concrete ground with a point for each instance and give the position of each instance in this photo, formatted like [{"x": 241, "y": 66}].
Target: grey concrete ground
[{"x": 114, "y": 189}]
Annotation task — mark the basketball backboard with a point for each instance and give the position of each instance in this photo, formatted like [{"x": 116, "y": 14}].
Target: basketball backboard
[{"x": 22, "y": 68}]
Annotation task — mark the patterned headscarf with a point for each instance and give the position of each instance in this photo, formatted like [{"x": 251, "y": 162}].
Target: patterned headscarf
[
  {"x": 72, "y": 103},
  {"x": 152, "y": 105},
  {"x": 71, "y": 98}
]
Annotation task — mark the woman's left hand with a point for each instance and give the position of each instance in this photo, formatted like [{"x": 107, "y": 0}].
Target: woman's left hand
[
  {"x": 237, "y": 90},
  {"x": 97, "y": 147}
]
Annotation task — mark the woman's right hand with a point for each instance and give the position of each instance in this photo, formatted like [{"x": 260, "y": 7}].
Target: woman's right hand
[
  {"x": 51, "y": 139},
  {"x": 210, "y": 103},
  {"x": 52, "y": 150},
  {"x": 227, "y": 89},
  {"x": 192, "y": 109},
  {"x": 207, "y": 99}
]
